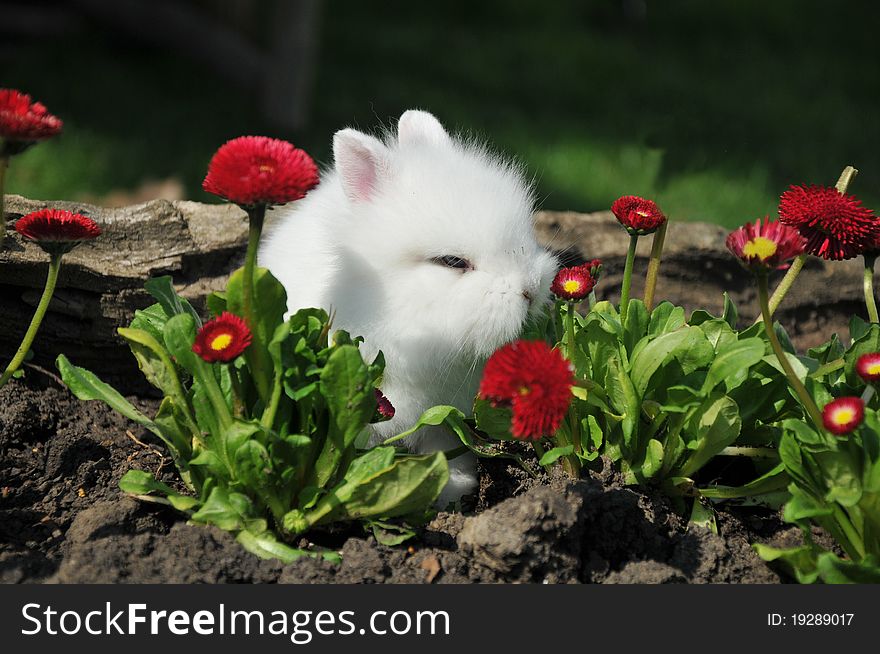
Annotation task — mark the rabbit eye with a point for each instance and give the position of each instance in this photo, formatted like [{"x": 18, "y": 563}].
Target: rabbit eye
[{"x": 451, "y": 261}]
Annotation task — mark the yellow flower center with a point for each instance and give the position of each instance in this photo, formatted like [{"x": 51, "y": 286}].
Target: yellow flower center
[
  {"x": 874, "y": 368},
  {"x": 220, "y": 342},
  {"x": 524, "y": 390},
  {"x": 760, "y": 247},
  {"x": 643, "y": 214},
  {"x": 571, "y": 286},
  {"x": 843, "y": 416},
  {"x": 266, "y": 168}
]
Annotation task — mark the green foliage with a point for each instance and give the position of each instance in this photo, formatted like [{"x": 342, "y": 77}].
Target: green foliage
[
  {"x": 661, "y": 395},
  {"x": 268, "y": 466},
  {"x": 835, "y": 483}
]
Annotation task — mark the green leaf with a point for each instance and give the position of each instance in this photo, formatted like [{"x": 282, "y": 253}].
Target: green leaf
[
  {"x": 254, "y": 469},
  {"x": 87, "y": 386},
  {"x": 834, "y": 570},
  {"x": 858, "y": 328},
  {"x": 175, "y": 429},
  {"x": 364, "y": 467},
  {"x": 550, "y": 456},
  {"x": 718, "y": 333},
  {"x": 378, "y": 485},
  {"x": 653, "y": 462},
  {"x": 162, "y": 288},
  {"x": 389, "y": 533},
  {"x": 636, "y": 324},
  {"x": 732, "y": 363},
  {"x": 799, "y": 562},
  {"x": 703, "y": 516},
  {"x": 270, "y": 304},
  {"x": 227, "y": 510},
  {"x": 142, "y": 484},
  {"x": 797, "y": 365},
  {"x": 730, "y": 314},
  {"x": 842, "y": 477},
  {"x": 409, "y": 485},
  {"x": 802, "y": 508},
  {"x": 771, "y": 481},
  {"x": 493, "y": 421},
  {"x": 266, "y": 546},
  {"x": 214, "y": 464},
  {"x": 600, "y": 341},
  {"x": 714, "y": 426},
  {"x": 152, "y": 320},
  {"x": 153, "y": 360},
  {"x": 436, "y": 415},
  {"x": 216, "y": 302},
  {"x": 623, "y": 398},
  {"x": 156, "y": 365},
  {"x": 700, "y": 316},
  {"x": 829, "y": 351},
  {"x": 592, "y": 438},
  {"x": 675, "y": 344},
  {"x": 179, "y": 335},
  {"x": 347, "y": 388},
  {"x": 665, "y": 318}
]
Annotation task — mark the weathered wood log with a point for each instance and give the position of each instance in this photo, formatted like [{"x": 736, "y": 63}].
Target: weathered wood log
[{"x": 101, "y": 283}]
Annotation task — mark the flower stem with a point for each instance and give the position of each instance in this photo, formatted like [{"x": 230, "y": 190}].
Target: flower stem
[
  {"x": 256, "y": 216},
  {"x": 257, "y": 355},
  {"x": 4, "y": 164},
  {"x": 801, "y": 390},
  {"x": 237, "y": 393},
  {"x": 654, "y": 265},
  {"x": 786, "y": 283},
  {"x": 569, "y": 330},
  {"x": 271, "y": 411},
  {"x": 215, "y": 396},
  {"x": 51, "y": 280},
  {"x": 627, "y": 275},
  {"x": 868, "y": 284}
]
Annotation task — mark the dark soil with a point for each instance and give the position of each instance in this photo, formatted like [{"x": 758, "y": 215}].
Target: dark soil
[{"x": 63, "y": 519}]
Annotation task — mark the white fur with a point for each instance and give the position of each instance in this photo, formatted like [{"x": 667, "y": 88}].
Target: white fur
[{"x": 362, "y": 244}]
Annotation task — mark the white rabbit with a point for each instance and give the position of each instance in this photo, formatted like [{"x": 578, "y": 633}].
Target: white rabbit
[{"x": 424, "y": 245}]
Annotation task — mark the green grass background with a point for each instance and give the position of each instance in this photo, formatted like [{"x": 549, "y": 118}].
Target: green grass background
[{"x": 711, "y": 108}]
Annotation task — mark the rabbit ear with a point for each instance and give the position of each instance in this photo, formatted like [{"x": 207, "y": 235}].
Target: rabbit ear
[
  {"x": 417, "y": 126},
  {"x": 361, "y": 161}
]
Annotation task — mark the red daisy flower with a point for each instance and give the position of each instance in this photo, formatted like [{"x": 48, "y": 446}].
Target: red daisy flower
[
  {"x": 384, "y": 408},
  {"x": 57, "y": 231},
  {"x": 23, "y": 121},
  {"x": 594, "y": 267},
  {"x": 868, "y": 366},
  {"x": 535, "y": 381},
  {"x": 222, "y": 339},
  {"x": 252, "y": 170},
  {"x": 637, "y": 215},
  {"x": 573, "y": 283},
  {"x": 765, "y": 247},
  {"x": 836, "y": 226},
  {"x": 843, "y": 415}
]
